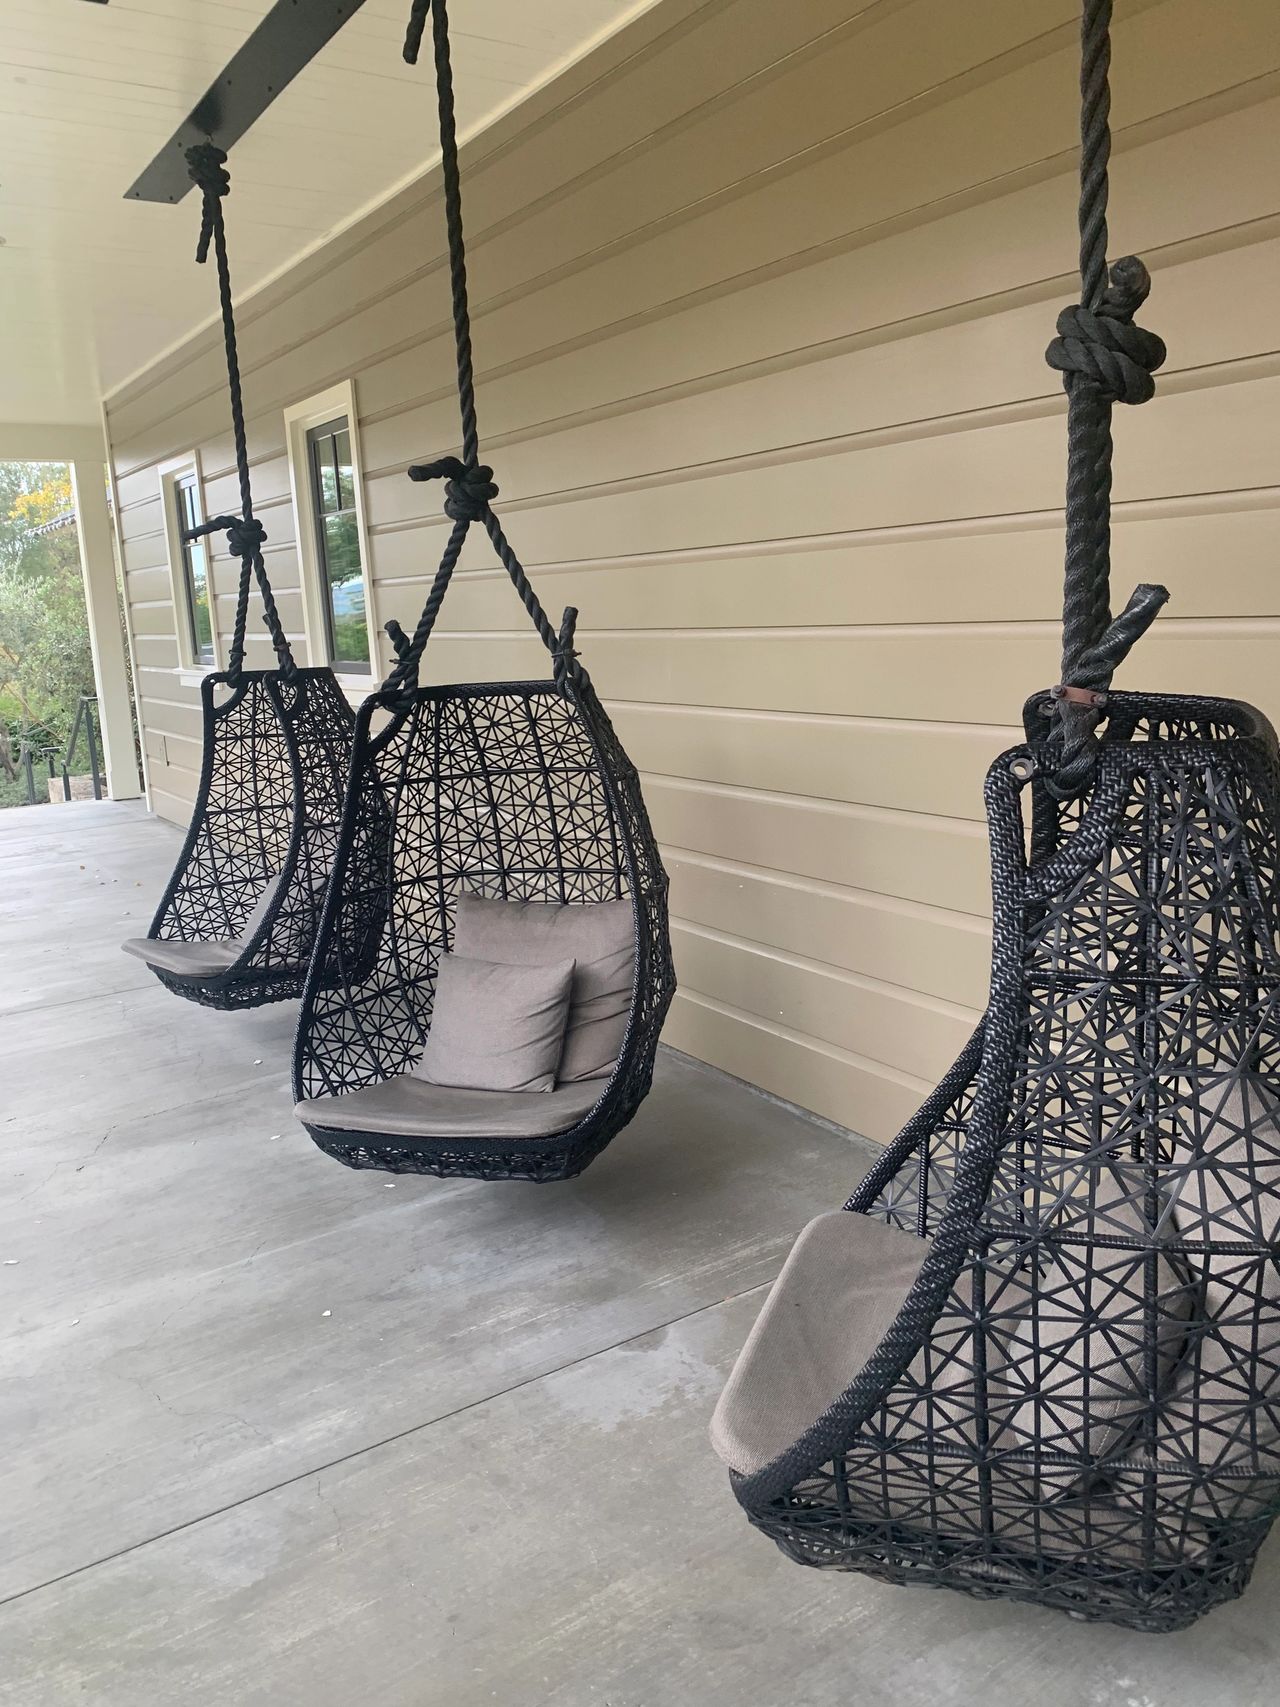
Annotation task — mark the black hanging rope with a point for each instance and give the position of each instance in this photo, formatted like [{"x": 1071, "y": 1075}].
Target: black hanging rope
[
  {"x": 246, "y": 536},
  {"x": 469, "y": 484},
  {"x": 1104, "y": 359}
]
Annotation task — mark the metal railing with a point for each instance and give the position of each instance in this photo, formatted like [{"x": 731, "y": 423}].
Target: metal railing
[{"x": 86, "y": 712}]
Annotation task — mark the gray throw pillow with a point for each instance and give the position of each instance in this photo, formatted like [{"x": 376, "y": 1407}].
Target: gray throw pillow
[
  {"x": 598, "y": 936},
  {"x": 1226, "y": 1162},
  {"x": 496, "y": 1027},
  {"x": 1077, "y": 1342}
]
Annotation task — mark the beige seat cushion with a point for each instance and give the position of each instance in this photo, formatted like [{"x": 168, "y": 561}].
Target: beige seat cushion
[
  {"x": 837, "y": 1296},
  {"x": 599, "y": 937},
  {"x": 496, "y": 1028},
  {"x": 185, "y": 959},
  {"x": 406, "y": 1107},
  {"x": 203, "y": 959},
  {"x": 260, "y": 908}
]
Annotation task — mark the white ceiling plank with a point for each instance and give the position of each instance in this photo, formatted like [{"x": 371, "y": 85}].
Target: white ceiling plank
[{"x": 93, "y": 287}]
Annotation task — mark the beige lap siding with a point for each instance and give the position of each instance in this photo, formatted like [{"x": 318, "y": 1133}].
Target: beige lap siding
[{"x": 761, "y": 295}]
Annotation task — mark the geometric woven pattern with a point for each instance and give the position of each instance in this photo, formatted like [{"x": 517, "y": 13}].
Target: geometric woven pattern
[
  {"x": 513, "y": 790},
  {"x": 1079, "y": 1404},
  {"x": 274, "y": 771}
]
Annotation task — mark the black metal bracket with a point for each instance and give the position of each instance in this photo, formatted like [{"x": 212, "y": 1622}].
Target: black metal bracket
[{"x": 287, "y": 40}]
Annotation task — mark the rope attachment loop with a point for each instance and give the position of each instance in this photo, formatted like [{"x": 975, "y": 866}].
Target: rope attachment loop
[
  {"x": 1104, "y": 359},
  {"x": 469, "y": 484},
  {"x": 246, "y": 536}
]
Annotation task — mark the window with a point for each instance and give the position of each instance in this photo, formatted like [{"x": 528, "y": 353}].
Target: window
[
  {"x": 338, "y": 595},
  {"x": 190, "y": 565},
  {"x": 337, "y": 533},
  {"x": 195, "y": 569}
]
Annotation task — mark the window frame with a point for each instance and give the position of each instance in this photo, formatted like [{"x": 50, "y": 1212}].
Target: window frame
[
  {"x": 301, "y": 420},
  {"x": 175, "y": 474}
]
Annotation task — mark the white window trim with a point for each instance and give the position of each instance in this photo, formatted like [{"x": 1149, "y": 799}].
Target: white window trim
[
  {"x": 190, "y": 668},
  {"x": 299, "y": 418}
]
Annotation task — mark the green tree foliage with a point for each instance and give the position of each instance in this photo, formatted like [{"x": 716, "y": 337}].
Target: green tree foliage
[{"x": 45, "y": 661}]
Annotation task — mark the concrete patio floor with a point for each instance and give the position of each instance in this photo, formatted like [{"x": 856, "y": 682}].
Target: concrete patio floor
[{"x": 277, "y": 1433}]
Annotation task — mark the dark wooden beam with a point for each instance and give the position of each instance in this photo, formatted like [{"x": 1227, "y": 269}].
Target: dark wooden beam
[{"x": 287, "y": 39}]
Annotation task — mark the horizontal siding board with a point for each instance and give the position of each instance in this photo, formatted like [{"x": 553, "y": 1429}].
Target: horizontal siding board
[
  {"x": 903, "y": 855},
  {"x": 948, "y": 372},
  {"x": 270, "y": 481},
  {"x": 148, "y": 551},
  {"x": 979, "y": 572},
  {"x": 1218, "y": 439},
  {"x": 938, "y": 957},
  {"x": 960, "y": 151},
  {"x": 149, "y": 586},
  {"x": 1017, "y": 239},
  {"x": 872, "y": 1100},
  {"x": 886, "y": 1025},
  {"x": 904, "y": 767},
  {"x": 945, "y": 674}
]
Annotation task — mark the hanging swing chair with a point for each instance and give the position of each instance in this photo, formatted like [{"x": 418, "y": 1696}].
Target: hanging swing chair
[
  {"x": 1037, "y": 1355},
  {"x": 464, "y": 803},
  {"x": 237, "y": 923}
]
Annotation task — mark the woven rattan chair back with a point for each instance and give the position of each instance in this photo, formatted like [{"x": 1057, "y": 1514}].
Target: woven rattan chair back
[{"x": 1080, "y": 1402}]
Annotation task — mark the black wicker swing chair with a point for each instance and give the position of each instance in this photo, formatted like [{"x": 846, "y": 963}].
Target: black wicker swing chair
[
  {"x": 1037, "y": 1355},
  {"x": 237, "y": 922},
  {"x": 515, "y": 791}
]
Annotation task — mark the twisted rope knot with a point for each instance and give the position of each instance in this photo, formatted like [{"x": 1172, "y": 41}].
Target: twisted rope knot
[
  {"x": 469, "y": 488},
  {"x": 246, "y": 536},
  {"x": 207, "y": 167},
  {"x": 1105, "y": 347}
]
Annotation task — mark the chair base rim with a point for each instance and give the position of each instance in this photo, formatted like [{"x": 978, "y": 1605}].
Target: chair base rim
[
  {"x": 1158, "y": 1601},
  {"x": 537, "y": 1161},
  {"x": 253, "y": 988}
]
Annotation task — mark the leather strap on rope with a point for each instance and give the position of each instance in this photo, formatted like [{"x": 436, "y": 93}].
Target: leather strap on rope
[
  {"x": 1104, "y": 359},
  {"x": 207, "y": 165},
  {"x": 469, "y": 484}
]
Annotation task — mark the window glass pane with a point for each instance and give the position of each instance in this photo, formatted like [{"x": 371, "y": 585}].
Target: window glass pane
[
  {"x": 338, "y": 539},
  {"x": 346, "y": 474},
  {"x": 195, "y": 570},
  {"x": 326, "y": 473},
  {"x": 201, "y": 616},
  {"x": 346, "y": 591}
]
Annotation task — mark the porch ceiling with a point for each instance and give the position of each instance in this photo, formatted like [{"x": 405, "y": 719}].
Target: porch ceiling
[{"x": 93, "y": 287}]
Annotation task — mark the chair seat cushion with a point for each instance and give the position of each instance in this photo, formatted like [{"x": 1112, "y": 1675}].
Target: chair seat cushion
[
  {"x": 598, "y": 936},
  {"x": 185, "y": 959},
  {"x": 408, "y": 1107},
  {"x": 204, "y": 959},
  {"x": 261, "y": 907},
  {"x": 838, "y": 1294}
]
